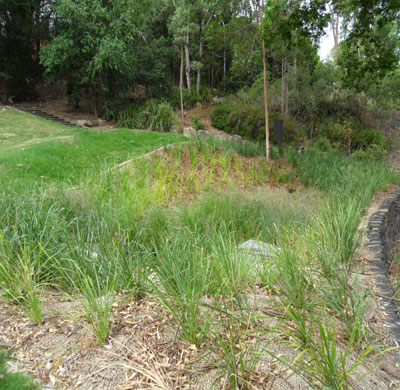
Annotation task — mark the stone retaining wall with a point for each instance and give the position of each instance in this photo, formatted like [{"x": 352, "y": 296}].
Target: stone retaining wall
[{"x": 383, "y": 234}]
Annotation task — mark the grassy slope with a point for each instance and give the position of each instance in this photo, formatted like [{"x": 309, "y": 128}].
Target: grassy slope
[{"x": 34, "y": 149}]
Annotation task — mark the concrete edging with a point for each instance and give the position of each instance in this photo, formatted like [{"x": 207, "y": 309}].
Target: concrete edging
[{"x": 383, "y": 234}]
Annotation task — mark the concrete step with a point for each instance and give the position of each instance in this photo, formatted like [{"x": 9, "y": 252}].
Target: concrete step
[{"x": 45, "y": 115}]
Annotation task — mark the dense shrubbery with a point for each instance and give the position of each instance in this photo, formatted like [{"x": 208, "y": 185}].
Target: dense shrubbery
[
  {"x": 249, "y": 122},
  {"x": 350, "y": 135},
  {"x": 190, "y": 97},
  {"x": 372, "y": 152},
  {"x": 154, "y": 115}
]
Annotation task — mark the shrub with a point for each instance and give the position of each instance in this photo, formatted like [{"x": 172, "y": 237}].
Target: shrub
[
  {"x": 350, "y": 135},
  {"x": 197, "y": 123},
  {"x": 373, "y": 152},
  {"x": 190, "y": 98},
  {"x": 363, "y": 138},
  {"x": 220, "y": 116},
  {"x": 249, "y": 122},
  {"x": 323, "y": 144},
  {"x": 154, "y": 115}
]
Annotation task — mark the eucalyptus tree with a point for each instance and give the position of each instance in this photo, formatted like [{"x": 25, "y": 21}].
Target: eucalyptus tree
[
  {"x": 93, "y": 47},
  {"x": 287, "y": 26},
  {"x": 370, "y": 46}
]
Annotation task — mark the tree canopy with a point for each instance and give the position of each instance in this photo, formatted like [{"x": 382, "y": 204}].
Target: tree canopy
[{"x": 106, "y": 47}]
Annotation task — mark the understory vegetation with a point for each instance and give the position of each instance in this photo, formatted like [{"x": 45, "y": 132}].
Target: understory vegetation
[
  {"x": 168, "y": 226},
  {"x": 86, "y": 214}
]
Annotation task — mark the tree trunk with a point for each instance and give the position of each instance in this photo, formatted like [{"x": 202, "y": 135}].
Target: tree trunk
[
  {"x": 181, "y": 82},
  {"x": 283, "y": 86},
  {"x": 287, "y": 89},
  {"x": 266, "y": 102},
  {"x": 198, "y": 85},
  {"x": 224, "y": 58},
  {"x": 335, "y": 20},
  {"x": 187, "y": 61},
  {"x": 261, "y": 16}
]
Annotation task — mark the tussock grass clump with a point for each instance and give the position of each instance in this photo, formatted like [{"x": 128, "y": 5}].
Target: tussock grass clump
[{"x": 169, "y": 226}]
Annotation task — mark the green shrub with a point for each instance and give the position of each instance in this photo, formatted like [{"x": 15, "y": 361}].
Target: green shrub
[
  {"x": 323, "y": 144},
  {"x": 220, "y": 116},
  {"x": 154, "y": 115},
  {"x": 197, "y": 123},
  {"x": 363, "y": 138},
  {"x": 190, "y": 98},
  {"x": 373, "y": 152},
  {"x": 350, "y": 135},
  {"x": 249, "y": 121}
]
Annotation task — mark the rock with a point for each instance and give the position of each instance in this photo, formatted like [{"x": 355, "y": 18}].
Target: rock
[
  {"x": 204, "y": 133},
  {"x": 221, "y": 137},
  {"x": 88, "y": 122},
  {"x": 258, "y": 249},
  {"x": 189, "y": 132},
  {"x": 236, "y": 137},
  {"x": 217, "y": 99}
]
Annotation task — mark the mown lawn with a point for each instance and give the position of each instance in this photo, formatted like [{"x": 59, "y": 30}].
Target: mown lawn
[{"x": 35, "y": 149}]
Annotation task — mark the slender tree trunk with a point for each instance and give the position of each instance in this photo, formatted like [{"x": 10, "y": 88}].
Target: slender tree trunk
[
  {"x": 283, "y": 85},
  {"x": 37, "y": 28},
  {"x": 335, "y": 24},
  {"x": 181, "y": 82},
  {"x": 261, "y": 14},
  {"x": 287, "y": 89},
  {"x": 187, "y": 62},
  {"x": 224, "y": 59},
  {"x": 198, "y": 85},
  {"x": 266, "y": 102}
]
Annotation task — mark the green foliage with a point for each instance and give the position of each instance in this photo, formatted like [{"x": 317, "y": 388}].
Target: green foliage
[
  {"x": 154, "y": 115},
  {"x": 323, "y": 144},
  {"x": 350, "y": 135},
  {"x": 197, "y": 122},
  {"x": 93, "y": 47},
  {"x": 387, "y": 93},
  {"x": 373, "y": 152},
  {"x": 249, "y": 122},
  {"x": 190, "y": 97},
  {"x": 21, "y": 274},
  {"x": 370, "y": 48}
]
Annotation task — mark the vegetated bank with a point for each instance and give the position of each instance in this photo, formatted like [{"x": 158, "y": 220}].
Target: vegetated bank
[{"x": 161, "y": 237}]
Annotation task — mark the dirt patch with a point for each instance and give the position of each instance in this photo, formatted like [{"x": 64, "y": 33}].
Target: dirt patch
[
  {"x": 35, "y": 141},
  {"x": 203, "y": 113}
]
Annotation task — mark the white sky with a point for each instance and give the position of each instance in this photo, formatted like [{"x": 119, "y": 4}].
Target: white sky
[{"x": 326, "y": 44}]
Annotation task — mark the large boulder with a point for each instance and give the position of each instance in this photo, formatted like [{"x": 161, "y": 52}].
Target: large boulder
[{"x": 189, "y": 132}]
